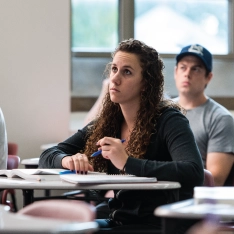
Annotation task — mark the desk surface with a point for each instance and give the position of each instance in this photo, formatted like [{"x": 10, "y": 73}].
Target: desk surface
[
  {"x": 188, "y": 209},
  {"x": 28, "y": 187},
  {"x": 17, "y": 183},
  {"x": 17, "y": 223},
  {"x": 30, "y": 161}
]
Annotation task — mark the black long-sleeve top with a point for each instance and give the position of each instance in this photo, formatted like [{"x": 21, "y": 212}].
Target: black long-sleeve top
[{"x": 172, "y": 155}]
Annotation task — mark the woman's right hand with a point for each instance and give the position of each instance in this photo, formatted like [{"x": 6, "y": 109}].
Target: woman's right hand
[{"x": 78, "y": 162}]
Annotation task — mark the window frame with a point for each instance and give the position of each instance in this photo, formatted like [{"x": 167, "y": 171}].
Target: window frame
[{"x": 126, "y": 30}]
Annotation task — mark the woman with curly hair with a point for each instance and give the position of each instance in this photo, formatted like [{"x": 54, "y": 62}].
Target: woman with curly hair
[{"x": 158, "y": 139}]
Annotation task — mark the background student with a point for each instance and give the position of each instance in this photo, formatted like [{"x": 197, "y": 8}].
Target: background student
[
  {"x": 97, "y": 107},
  {"x": 211, "y": 123},
  {"x": 159, "y": 142},
  {"x": 3, "y": 142}
]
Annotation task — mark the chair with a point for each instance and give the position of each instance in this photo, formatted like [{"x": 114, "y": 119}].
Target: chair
[
  {"x": 208, "y": 180},
  {"x": 230, "y": 179},
  {"x": 12, "y": 162},
  {"x": 61, "y": 209},
  {"x": 12, "y": 148}
]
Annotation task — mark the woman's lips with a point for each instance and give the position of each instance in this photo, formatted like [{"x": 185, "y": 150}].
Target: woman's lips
[{"x": 114, "y": 89}]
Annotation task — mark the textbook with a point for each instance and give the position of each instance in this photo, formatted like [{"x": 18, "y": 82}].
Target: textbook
[
  {"x": 33, "y": 174},
  {"x": 102, "y": 178}
]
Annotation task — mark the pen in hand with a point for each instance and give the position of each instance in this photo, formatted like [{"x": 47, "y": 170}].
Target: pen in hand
[{"x": 100, "y": 151}]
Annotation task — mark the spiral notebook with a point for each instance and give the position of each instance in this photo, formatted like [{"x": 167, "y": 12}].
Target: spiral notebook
[{"x": 101, "y": 178}]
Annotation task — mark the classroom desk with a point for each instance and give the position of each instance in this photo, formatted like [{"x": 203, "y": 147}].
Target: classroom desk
[
  {"x": 13, "y": 223},
  {"x": 188, "y": 210},
  {"x": 28, "y": 187},
  {"x": 30, "y": 162},
  {"x": 47, "y": 146}
]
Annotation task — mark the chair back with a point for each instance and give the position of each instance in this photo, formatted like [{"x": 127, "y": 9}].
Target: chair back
[
  {"x": 230, "y": 179},
  {"x": 72, "y": 210},
  {"x": 13, "y": 162},
  {"x": 12, "y": 148},
  {"x": 208, "y": 180}
]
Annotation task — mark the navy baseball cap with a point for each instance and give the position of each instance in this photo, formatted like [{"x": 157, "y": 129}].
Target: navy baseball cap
[{"x": 198, "y": 51}]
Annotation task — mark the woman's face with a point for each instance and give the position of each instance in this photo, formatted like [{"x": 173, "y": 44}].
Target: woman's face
[{"x": 125, "y": 79}]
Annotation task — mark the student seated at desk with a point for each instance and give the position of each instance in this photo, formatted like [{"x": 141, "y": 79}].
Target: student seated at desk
[
  {"x": 97, "y": 106},
  {"x": 158, "y": 139},
  {"x": 211, "y": 123}
]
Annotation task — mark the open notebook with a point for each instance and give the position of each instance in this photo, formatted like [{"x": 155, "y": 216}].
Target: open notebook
[
  {"x": 33, "y": 174},
  {"x": 100, "y": 178}
]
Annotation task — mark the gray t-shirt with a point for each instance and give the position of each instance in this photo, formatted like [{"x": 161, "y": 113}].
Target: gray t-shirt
[
  {"x": 213, "y": 128},
  {"x": 3, "y": 142}
]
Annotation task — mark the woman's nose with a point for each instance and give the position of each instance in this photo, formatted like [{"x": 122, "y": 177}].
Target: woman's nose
[{"x": 115, "y": 78}]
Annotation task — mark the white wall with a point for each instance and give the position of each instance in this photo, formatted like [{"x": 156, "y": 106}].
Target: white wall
[{"x": 35, "y": 72}]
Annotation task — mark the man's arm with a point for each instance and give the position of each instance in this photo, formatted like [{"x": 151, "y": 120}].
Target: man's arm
[{"x": 219, "y": 164}]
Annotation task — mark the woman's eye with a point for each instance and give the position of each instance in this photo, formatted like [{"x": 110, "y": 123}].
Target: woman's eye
[
  {"x": 127, "y": 72},
  {"x": 114, "y": 69}
]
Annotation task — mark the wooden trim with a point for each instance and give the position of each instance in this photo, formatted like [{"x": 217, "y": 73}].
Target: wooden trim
[
  {"x": 85, "y": 103},
  {"x": 82, "y": 103},
  {"x": 227, "y": 102}
]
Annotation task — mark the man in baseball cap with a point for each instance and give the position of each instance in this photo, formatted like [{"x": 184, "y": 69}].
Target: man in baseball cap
[
  {"x": 200, "y": 52},
  {"x": 211, "y": 123}
]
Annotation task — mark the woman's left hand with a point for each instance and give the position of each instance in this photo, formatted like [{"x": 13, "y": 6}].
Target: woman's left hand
[{"x": 114, "y": 150}]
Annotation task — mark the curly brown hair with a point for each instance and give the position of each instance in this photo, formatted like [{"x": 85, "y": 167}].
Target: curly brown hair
[{"x": 152, "y": 104}]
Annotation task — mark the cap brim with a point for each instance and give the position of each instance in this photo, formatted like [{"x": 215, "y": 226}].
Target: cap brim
[{"x": 180, "y": 56}]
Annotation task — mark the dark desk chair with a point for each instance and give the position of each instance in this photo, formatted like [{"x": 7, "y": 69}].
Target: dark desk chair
[
  {"x": 230, "y": 180},
  {"x": 131, "y": 229}
]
